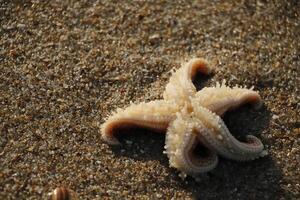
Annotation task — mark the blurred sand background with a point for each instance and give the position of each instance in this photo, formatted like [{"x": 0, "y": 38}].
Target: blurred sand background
[{"x": 66, "y": 65}]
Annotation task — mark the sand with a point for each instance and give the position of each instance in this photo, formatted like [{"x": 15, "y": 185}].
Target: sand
[{"x": 65, "y": 66}]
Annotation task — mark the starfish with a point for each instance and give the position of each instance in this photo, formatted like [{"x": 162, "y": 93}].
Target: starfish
[{"x": 190, "y": 118}]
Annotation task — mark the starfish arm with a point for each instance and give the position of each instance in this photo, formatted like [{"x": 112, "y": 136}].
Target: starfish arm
[
  {"x": 220, "y": 139},
  {"x": 154, "y": 115},
  {"x": 180, "y": 86},
  {"x": 222, "y": 98},
  {"x": 181, "y": 141}
]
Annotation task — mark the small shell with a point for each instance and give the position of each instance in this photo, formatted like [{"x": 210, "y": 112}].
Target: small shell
[{"x": 63, "y": 193}]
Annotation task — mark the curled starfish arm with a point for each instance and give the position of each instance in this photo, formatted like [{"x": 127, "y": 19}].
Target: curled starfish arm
[
  {"x": 180, "y": 86},
  {"x": 181, "y": 141},
  {"x": 222, "y": 98},
  {"x": 155, "y": 115},
  {"x": 220, "y": 139}
]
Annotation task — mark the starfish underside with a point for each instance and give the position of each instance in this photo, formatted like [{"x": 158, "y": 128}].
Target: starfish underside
[{"x": 190, "y": 118}]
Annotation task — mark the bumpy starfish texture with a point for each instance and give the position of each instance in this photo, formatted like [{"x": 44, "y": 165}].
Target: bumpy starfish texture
[
  {"x": 155, "y": 115},
  {"x": 191, "y": 118},
  {"x": 181, "y": 140}
]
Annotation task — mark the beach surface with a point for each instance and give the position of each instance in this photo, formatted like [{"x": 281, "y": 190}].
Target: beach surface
[{"x": 67, "y": 65}]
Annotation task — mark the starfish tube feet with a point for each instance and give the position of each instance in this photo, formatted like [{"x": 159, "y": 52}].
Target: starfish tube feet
[
  {"x": 155, "y": 115},
  {"x": 222, "y": 141},
  {"x": 180, "y": 86},
  {"x": 181, "y": 141},
  {"x": 222, "y": 98}
]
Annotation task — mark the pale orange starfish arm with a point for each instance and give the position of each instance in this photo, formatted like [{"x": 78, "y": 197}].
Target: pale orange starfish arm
[
  {"x": 155, "y": 115},
  {"x": 181, "y": 140},
  {"x": 222, "y": 98},
  {"x": 219, "y": 139},
  {"x": 180, "y": 87}
]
